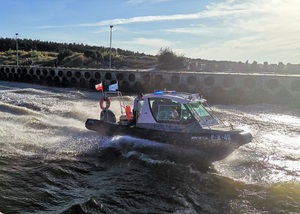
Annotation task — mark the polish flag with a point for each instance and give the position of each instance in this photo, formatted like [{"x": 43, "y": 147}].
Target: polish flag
[{"x": 99, "y": 87}]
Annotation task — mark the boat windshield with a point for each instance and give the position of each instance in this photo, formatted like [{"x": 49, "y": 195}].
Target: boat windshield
[
  {"x": 202, "y": 114},
  {"x": 170, "y": 111}
]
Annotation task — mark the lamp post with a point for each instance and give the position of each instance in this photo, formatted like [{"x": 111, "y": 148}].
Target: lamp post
[
  {"x": 110, "y": 46},
  {"x": 17, "y": 48}
]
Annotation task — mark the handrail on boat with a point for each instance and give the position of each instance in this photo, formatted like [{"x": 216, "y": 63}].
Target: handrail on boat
[
  {"x": 212, "y": 112},
  {"x": 120, "y": 99}
]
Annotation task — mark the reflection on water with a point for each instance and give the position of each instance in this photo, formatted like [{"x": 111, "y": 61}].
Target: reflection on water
[{"x": 50, "y": 163}]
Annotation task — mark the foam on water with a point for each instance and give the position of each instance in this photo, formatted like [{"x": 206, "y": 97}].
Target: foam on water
[
  {"x": 50, "y": 161},
  {"x": 273, "y": 155}
]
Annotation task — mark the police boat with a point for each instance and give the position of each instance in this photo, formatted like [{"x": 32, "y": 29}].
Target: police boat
[{"x": 178, "y": 118}]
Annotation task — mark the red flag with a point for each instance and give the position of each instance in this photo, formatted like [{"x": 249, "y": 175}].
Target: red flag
[{"x": 99, "y": 87}]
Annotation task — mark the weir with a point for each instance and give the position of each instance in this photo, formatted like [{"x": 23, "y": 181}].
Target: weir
[{"x": 218, "y": 87}]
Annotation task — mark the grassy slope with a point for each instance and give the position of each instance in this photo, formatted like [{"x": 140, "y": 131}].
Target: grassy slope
[{"x": 75, "y": 60}]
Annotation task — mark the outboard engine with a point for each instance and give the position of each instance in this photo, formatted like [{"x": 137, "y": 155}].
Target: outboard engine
[{"x": 108, "y": 116}]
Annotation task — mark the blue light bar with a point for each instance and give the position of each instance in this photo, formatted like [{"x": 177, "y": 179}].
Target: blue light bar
[{"x": 158, "y": 92}]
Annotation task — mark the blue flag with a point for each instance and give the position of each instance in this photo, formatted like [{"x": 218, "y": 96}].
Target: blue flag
[{"x": 113, "y": 87}]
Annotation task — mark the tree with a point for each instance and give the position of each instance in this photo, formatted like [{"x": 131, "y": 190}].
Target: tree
[
  {"x": 90, "y": 53},
  {"x": 168, "y": 60},
  {"x": 64, "y": 54}
]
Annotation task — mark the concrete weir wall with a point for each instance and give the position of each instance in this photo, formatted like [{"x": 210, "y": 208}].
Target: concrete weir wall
[{"x": 218, "y": 87}]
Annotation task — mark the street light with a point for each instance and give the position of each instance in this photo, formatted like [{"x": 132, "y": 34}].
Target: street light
[
  {"x": 17, "y": 49},
  {"x": 110, "y": 46}
]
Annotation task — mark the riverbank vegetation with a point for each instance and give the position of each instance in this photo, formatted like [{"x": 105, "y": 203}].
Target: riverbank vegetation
[
  {"x": 51, "y": 54},
  {"x": 41, "y": 53}
]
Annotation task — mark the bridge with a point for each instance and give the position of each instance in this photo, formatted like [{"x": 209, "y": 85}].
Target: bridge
[{"x": 218, "y": 87}]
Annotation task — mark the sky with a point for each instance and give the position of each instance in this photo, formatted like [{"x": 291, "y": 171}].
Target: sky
[{"x": 229, "y": 30}]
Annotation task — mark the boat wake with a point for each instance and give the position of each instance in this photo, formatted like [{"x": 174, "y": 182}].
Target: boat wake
[
  {"x": 50, "y": 163},
  {"x": 149, "y": 152}
]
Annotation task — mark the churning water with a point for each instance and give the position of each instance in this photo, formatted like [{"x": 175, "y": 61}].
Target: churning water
[{"x": 51, "y": 164}]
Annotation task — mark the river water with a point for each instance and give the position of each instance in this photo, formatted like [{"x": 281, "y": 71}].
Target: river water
[{"x": 51, "y": 164}]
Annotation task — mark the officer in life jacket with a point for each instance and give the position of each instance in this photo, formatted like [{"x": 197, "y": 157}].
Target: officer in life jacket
[{"x": 137, "y": 105}]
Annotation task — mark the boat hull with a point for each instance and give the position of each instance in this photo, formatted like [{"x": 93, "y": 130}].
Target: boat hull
[{"x": 212, "y": 145}]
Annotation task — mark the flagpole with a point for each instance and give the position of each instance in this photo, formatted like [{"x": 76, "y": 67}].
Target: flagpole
[{"x": 102, "y": 89}]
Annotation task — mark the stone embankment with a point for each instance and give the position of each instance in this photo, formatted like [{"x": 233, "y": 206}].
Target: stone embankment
[{"x": 218, "y": 87}]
